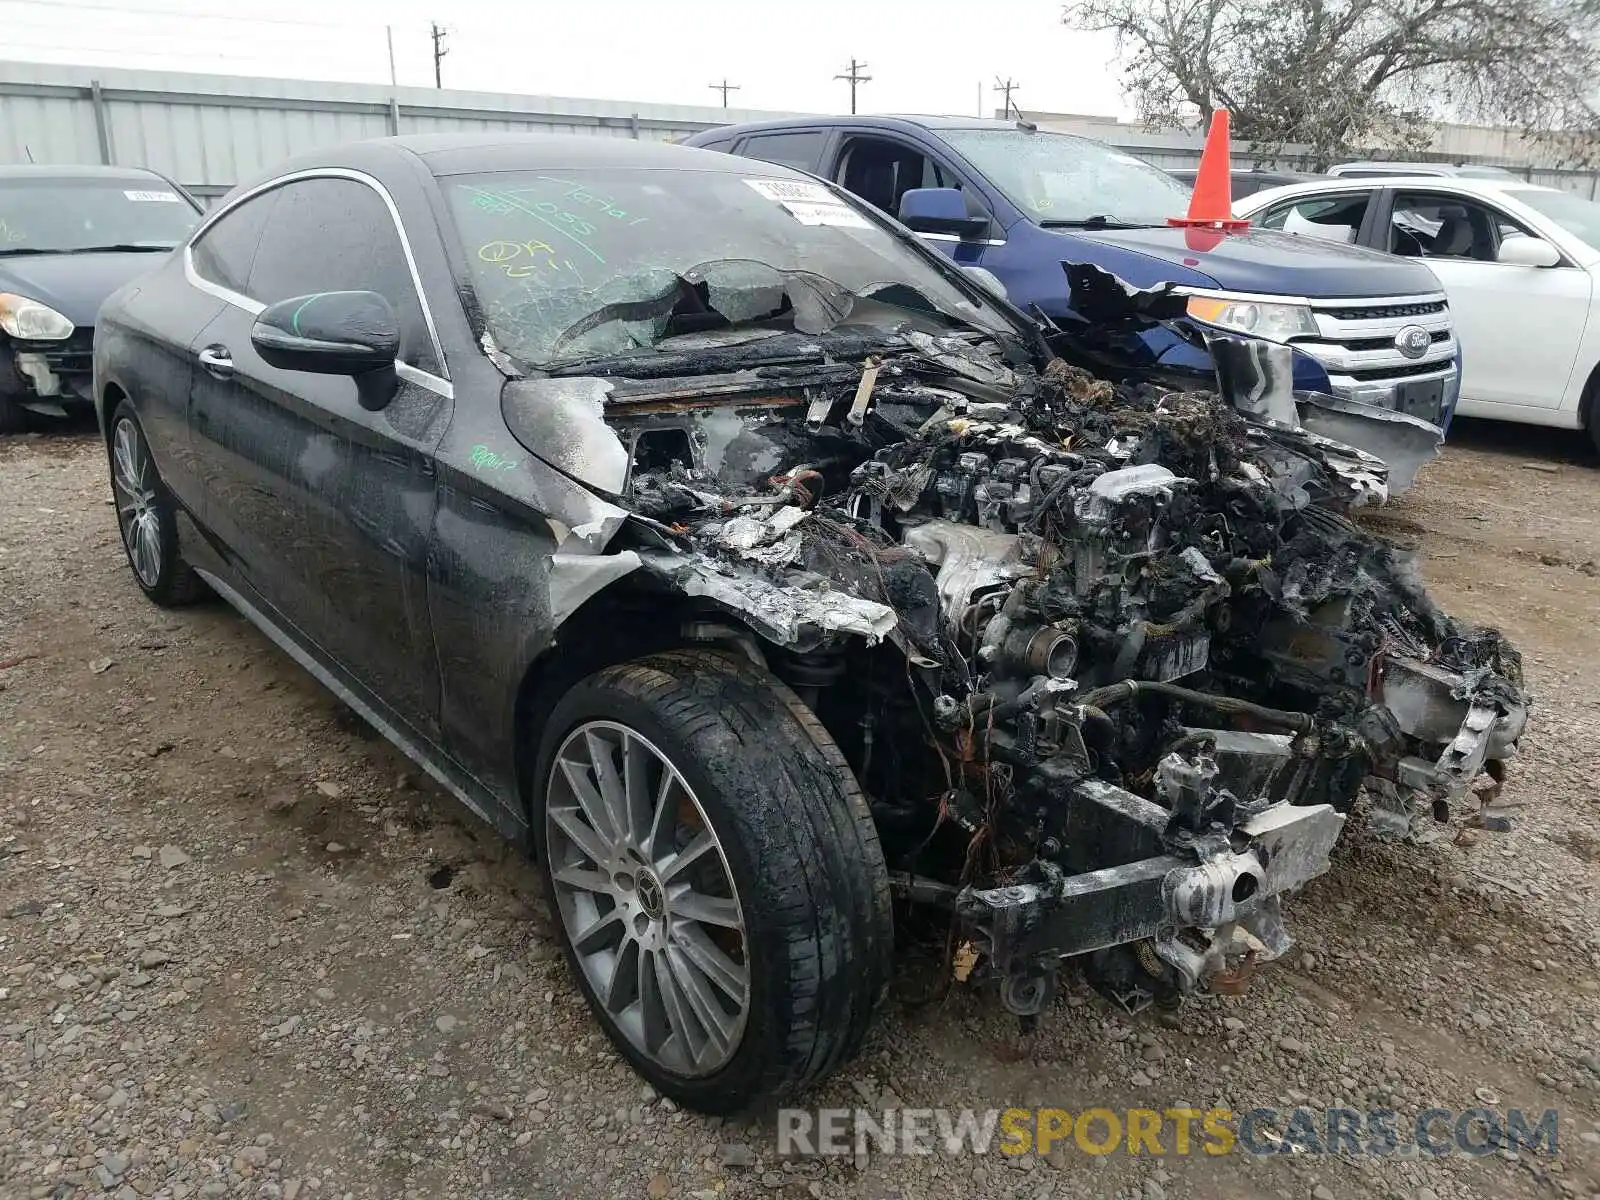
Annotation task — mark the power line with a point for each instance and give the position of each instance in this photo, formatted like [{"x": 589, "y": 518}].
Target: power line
[
  {"x": 155, "y": 43},
  {"x": 200, "y": 47},
  {"x": 82, "y": 48},
  {"x": 724, "y": 87},
  {"x": 439, "y": 52},
  {"x": 1008, "y": 86},
  {"x": 134, "y": 11},
  {"x": 855, "y": 77}
]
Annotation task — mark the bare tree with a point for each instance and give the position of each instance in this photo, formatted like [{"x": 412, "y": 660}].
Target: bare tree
[{"x": 1337, "y": 74}]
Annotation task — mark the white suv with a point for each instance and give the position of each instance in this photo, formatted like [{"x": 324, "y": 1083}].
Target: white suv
[{"x": 1518, "y": 262}]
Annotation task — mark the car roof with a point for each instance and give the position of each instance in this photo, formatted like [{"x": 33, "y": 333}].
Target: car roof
[
  {"x": 1256, "y": 173},
  {"x": 460, "y": 154},
  {"x": 1463, "y": 170},
  {"x": 1400, "y": 168},
  {"x": 1460, "y": 184},
  {"x": 445, "y": 154},
  {"x": 74, "y": 171},
  {"x": 885, "y": 121}
]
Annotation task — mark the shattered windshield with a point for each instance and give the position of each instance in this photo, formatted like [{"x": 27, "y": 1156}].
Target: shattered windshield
[
  {"x": 572, "y": 264},
  {"x": 63, "y": 216},
  {"x": 1060, "y": 179}
]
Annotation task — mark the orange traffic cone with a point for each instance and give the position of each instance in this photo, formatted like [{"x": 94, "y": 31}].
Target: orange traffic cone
[{"x": 1211, "y": 205}]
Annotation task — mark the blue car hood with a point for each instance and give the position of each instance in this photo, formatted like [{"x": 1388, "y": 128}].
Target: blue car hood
[
  {"x": 1272, "y": 263},
  {"x": 75, "y": 285}
]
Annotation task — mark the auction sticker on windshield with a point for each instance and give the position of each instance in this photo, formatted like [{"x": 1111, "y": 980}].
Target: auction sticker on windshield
[
  {"x": 787, "y": 189},
  {"x": 156, "y": 197},
  {"x": 825, "y": 214},
  {"x": 809, "y": 203}
]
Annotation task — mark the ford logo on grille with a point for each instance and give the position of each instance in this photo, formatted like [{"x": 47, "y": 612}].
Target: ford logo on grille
[{"x": 1413, "y": 341}]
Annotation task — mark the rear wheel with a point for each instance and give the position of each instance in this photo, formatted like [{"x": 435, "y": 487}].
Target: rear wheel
[
  {"x": 146, "y": 516},
  {"x": 718, "y": 879}
]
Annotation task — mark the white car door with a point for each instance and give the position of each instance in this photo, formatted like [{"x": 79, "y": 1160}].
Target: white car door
[{"x": 1519, "y": 326}]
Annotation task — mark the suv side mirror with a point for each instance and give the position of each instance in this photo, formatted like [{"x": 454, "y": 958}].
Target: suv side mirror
[
  {"x": 334, "y": 333},
  {"x": 939, "y": 210},
  {"x": 1528, "y": 252}
]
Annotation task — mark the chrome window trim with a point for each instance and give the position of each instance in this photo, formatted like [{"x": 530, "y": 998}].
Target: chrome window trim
[
  {"x": 438, "y": 384},
  {"x": 953, "y": 237}
]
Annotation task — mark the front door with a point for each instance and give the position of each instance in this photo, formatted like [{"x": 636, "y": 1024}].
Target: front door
[
  {"x": 1519, "y": 326},
  {"x": 326, "y": 509}
]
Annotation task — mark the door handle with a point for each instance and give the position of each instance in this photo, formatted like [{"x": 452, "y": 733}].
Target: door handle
[{"x": 217, "y": 361}]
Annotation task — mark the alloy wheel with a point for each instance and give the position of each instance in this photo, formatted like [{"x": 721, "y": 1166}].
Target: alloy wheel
[
  {"x": 133, "y": 481},
  {"x": 646, "y": 899}
]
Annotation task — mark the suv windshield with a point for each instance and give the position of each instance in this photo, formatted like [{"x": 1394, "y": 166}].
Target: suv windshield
[
  {"x": 63, "y": 216},
  {"x": 572, "y": 264},
  {"x": 1058, "y": 178},
  {"x": 1576, "y": 215}
]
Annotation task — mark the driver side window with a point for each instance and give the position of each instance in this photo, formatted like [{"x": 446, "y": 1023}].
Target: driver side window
[
  {"x": 337, "y": 235},
  {"x": 881, "y": 171},
  {"x": 1440, "y": 225}
]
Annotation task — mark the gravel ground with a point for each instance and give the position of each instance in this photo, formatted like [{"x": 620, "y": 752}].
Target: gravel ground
[{"x": 246, "y": 951}]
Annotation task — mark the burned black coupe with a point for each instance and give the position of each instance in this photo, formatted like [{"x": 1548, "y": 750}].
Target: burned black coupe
[{"x": 760, "y": 570}]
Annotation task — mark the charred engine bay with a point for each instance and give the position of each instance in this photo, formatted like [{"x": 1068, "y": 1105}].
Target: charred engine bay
[{"x": 1110, "y": 661}]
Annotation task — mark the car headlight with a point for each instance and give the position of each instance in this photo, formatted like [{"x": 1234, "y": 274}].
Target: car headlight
[
  {"x": 1275, "y": 322},
  {"x": 25, "y": 318}
]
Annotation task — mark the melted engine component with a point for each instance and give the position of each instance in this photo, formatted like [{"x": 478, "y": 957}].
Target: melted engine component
[{"x": 1145, "y": 660}]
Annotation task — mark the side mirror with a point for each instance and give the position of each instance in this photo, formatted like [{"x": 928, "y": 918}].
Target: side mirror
[
  {"x": 939, "y": 210},
  {"x": 334, "y": 333},
  {"x": 1528, "y": 252}
]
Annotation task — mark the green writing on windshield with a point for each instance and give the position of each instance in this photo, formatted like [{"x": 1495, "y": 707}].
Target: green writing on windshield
[
  {"x": 534, "y": 260},
  {"x": 583, "y": 197},
  {"x": 571, "y": 226},
  {"x": 485, "y": 459}
]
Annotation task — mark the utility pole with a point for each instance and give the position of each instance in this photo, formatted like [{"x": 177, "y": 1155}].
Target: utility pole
[
  {"x": 855, "y": 76},
  {"x": 439, "y": 52},
  {"x": 1006, "y": 88},
  {"x": 724, "y": 87},
  {"x": 388, "y": 32}
]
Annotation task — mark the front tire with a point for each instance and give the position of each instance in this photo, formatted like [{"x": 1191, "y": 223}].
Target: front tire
[
  {"x": 717, "y": 876},
  {"x": 147, "y": 517}
]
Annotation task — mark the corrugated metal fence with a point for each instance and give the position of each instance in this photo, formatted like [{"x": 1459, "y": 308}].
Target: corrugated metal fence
[{"x": 209, "y": 131}]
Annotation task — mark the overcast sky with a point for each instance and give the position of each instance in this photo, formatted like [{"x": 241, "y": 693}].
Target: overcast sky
[{"x": 924, "y": 56}]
